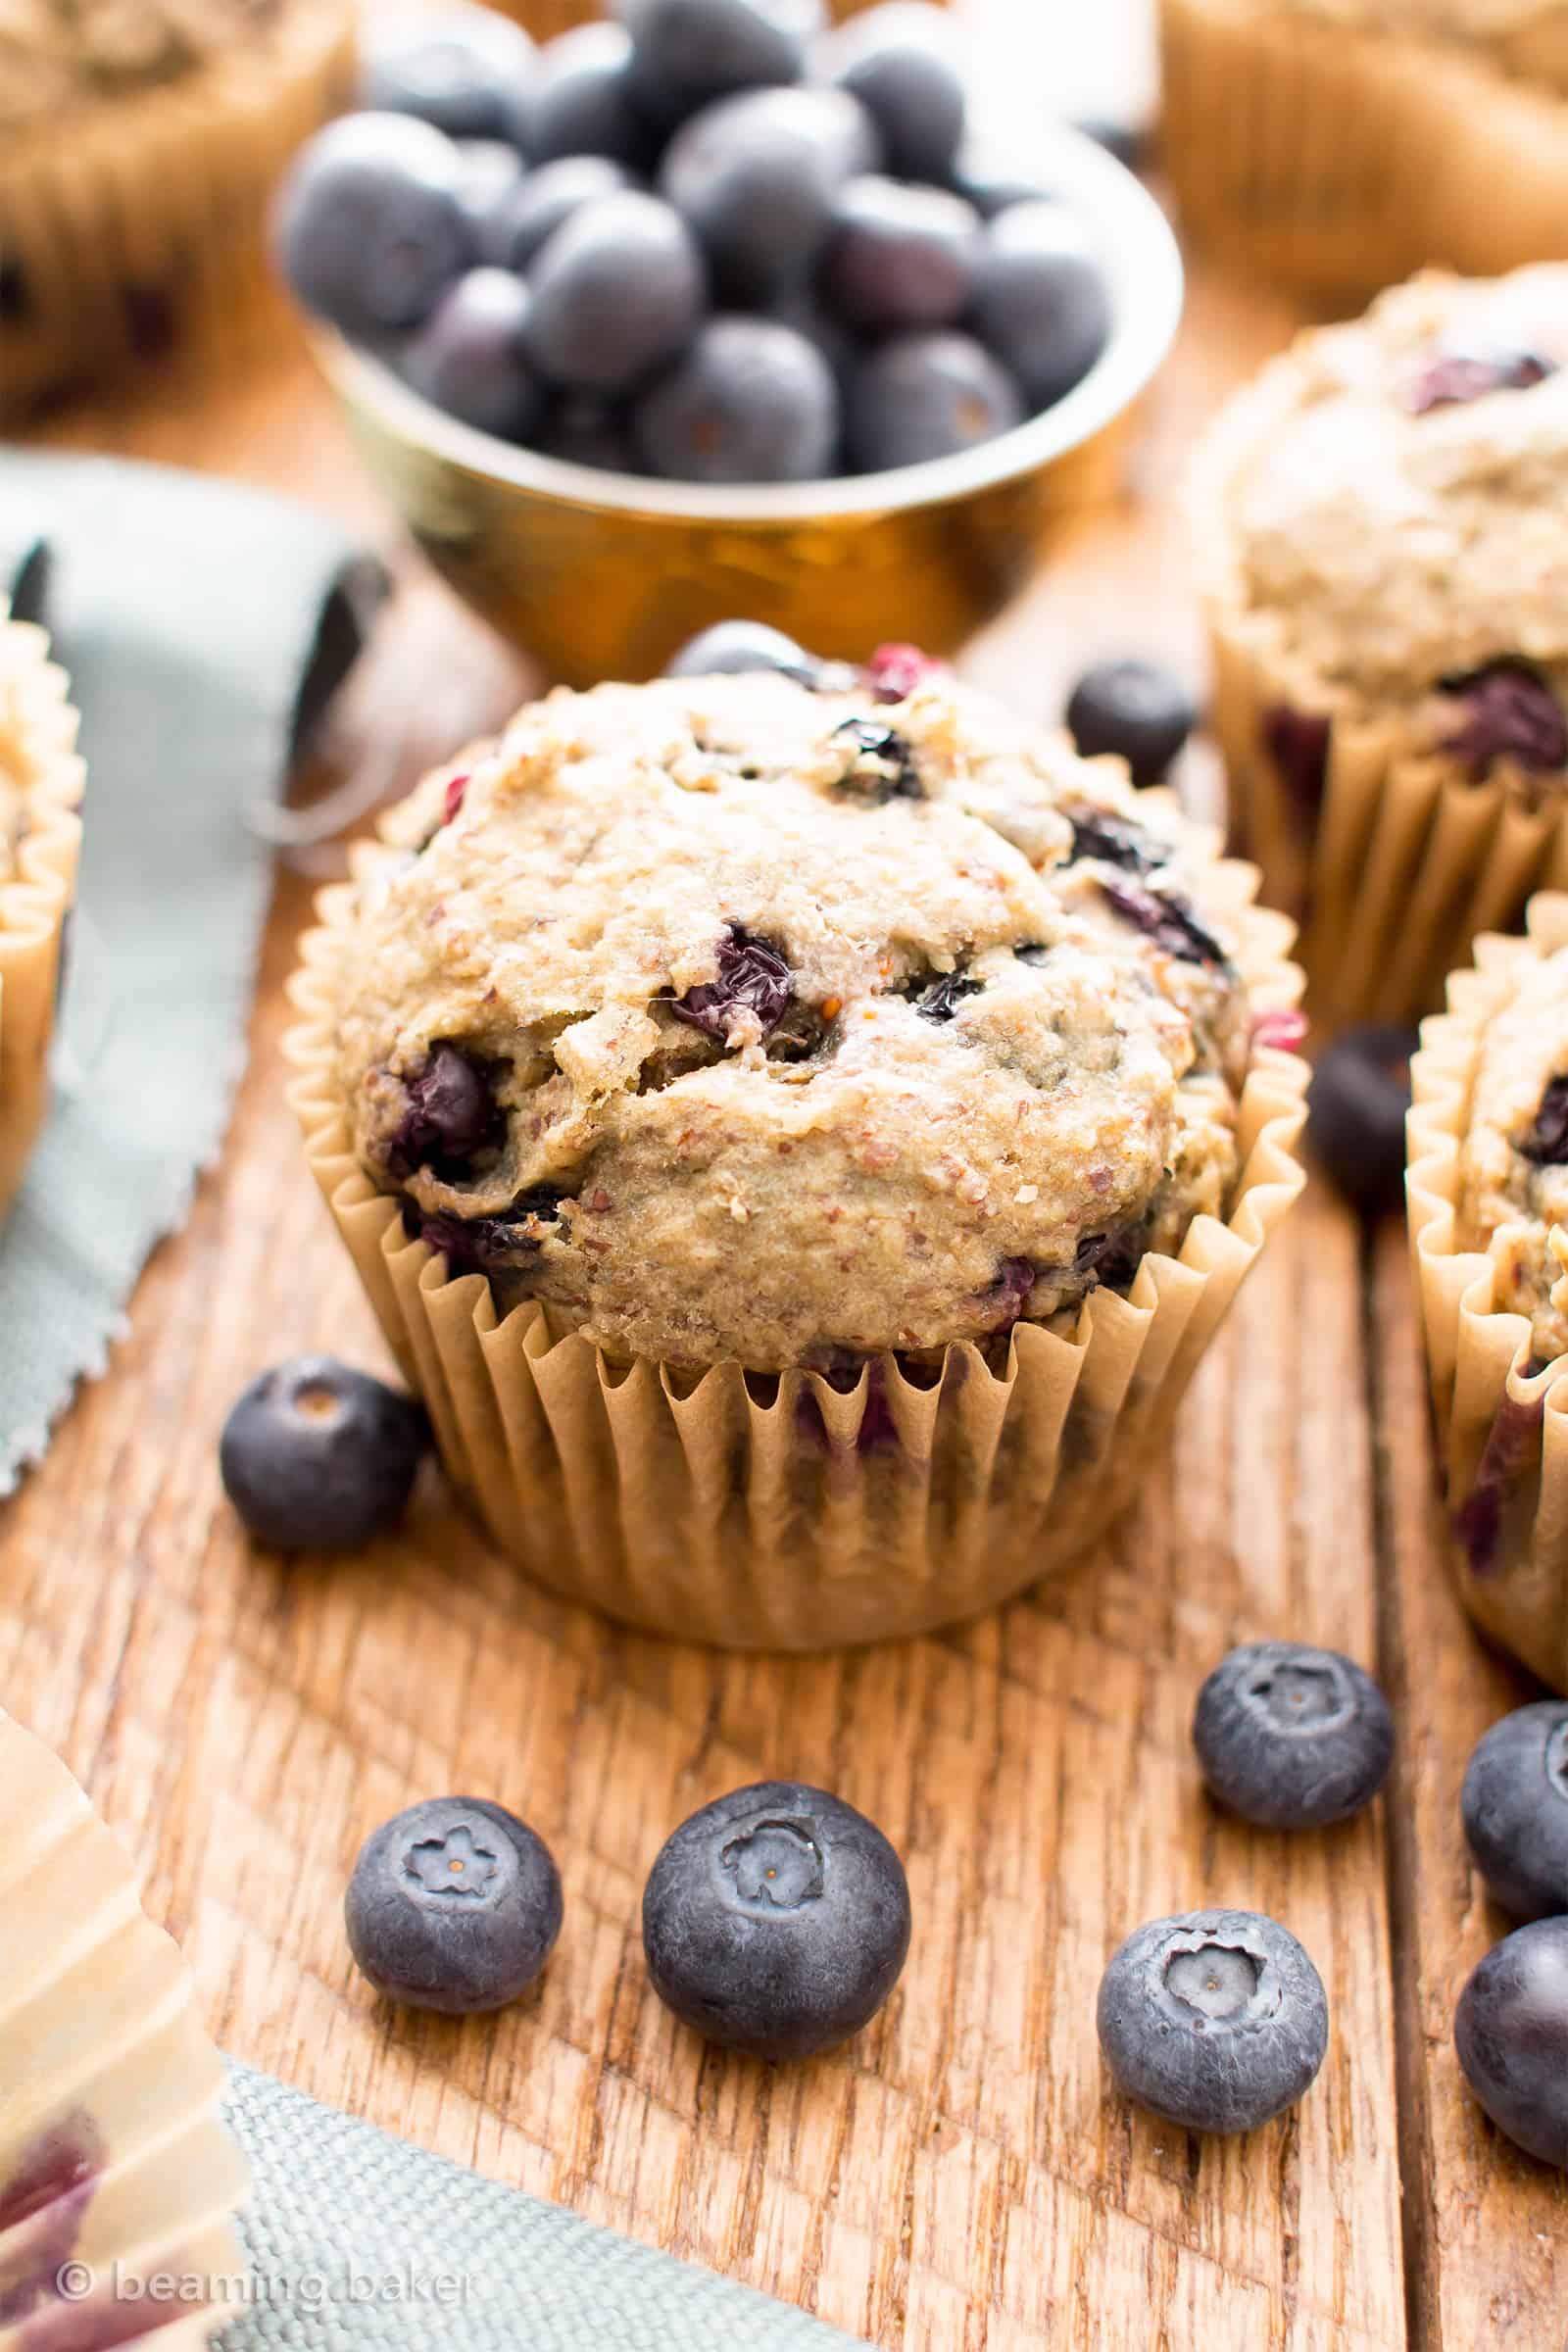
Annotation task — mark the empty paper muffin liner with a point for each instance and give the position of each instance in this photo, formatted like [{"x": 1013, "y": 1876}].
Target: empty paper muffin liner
[
  {"x": 1502, "y": 1428},
  {"x": 777, "y": 1511},
  {"x": 1341, "y": 158},
  {"x": 1391, "y": 859},
  {"x": 135, "y": 222},
  {"x": 115, "y": 2173},
  {"x": 40, "y": 794}
]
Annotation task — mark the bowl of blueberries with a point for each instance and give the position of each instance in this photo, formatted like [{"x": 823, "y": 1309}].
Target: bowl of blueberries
[{"x": 708, "y": 306}]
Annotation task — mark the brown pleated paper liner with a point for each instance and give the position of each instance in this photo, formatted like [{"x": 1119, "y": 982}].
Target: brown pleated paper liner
[
  {"x": 1502, "y": 1431},
  {"x": 1404, "y": 862},
  {"x": 544, "y": 19},
  {"x": 773, "y": 1511},
  {"x": 136, "y": 222},
  {"x": 114, "y": 2165},
  {"x": 37, "y": 753},
  {"x": 1341, "y": 158}
]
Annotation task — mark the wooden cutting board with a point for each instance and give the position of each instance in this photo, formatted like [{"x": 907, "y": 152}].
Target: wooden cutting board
[{"x": 963, "y": 2178}]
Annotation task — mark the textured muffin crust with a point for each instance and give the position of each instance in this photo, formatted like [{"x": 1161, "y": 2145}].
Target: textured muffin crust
[
  {"x": 1514, "y": 1151},
  {"x": 57, "y": 52},
  {"x": 730, "y": 1019},
  {"x": 1520, "y": 38},
  {"x": 1401, "y": 537}
]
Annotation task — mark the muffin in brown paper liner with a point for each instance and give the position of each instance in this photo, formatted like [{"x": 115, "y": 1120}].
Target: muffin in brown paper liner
[
  {"x": 41, "y": 786},
  {"x": 114, "y": 2163},
  {"x": 134, "y": 221},
  {"x": 1392, "y": 860},
  {"x": 1339, "y": 159},
  {"x": 1501, "y": 1422},
  {"x": 776, "y": 1510},
  {"x": 544, "y": 19}
]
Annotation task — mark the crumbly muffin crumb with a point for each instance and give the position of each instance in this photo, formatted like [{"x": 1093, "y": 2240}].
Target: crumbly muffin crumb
[{"x": 53, "y": 52}]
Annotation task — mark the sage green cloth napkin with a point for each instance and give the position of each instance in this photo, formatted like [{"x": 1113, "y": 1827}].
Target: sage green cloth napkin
[
  {"x": 359, "y": 2243},
  {"x": 202, "y": 624}
]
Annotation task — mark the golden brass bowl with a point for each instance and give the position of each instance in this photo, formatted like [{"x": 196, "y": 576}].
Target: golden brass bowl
[{"x": 605, "y": 575}]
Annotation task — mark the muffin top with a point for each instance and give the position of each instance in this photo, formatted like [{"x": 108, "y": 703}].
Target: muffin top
[
  {"x": 1514, "y": 1153},
  {"x": 57, "y": 52},
  {"x": 1397, "y": 525},
  {"x": 1525, "y": 38},
  {"x": 730, "y": 1019}
]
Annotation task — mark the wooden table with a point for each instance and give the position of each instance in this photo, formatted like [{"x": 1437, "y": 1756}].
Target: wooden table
[{"x": 963, "y": 2178}]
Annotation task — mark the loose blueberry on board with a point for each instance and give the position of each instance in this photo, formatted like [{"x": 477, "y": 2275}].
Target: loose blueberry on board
[
  {"x": 749, "y": 400},
  {"x": 1041, "y": 300},
  {"x": 755, "y": 177},
  {"x": 370, "y": 230},
  {"x": 688, "y": 52},
  {"x": 776, "y": 1921},
  {"x": 1292, "y": 1738},
  {"x": 899, "y": 255},
  {"x": 1215, "y": 2020},
  {"x": 489, "y": 176},
  {"x": 1515, "y": 1809},
  {"x": 923, "y": 396},
  {"x": 461, "y": 68},
  {"x": 1140, "y": 710},
  {"x": 616, "y": 290},
  {"x": 453, "y": 1905},
  {"x": 1356, "y": 1103},
  {"x": 739, "y": 648},
  {"x": 316, "y": 1456},
  {"x": 468, "y": 356},
  {"x": 543, "y": 202},
  {"x": 1511, "y": 2035},
  {"x": 905, "y": 64},
  {"x": 578, "y": 100}
]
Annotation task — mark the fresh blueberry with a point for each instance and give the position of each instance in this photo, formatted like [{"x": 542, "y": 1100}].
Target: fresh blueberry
[
  {"x": 741, "y": 648},
  {"x": 905, "y": 64},
  {"x": 924, "y": 396},
  {"x": 1511, "y": 2034},
  {"x": 989, "y": 179},
  {"x": 543, "y": 202},
  {"x": 1041, "y": 300},
  {"x": 754, "y": 977},
  {"x": 1515, "y": 1807},
  {"x": 776, "y": 1921},
  {"x": 450, "y": 1115},
  {"x": 453, "y": 1905},
  {"x": 687, "y": 52},
  {"x": 462, "y": 68},
  {"x": 755, "y": 177},
  {"x": 1292, "y": 1738},
  {"x": 899, "y": 257},
  {"x": 616, "y": 290},
  {"x": 749, "y": 400},
  {"x": 468, "y": 356},
  {"x": 317, "y": 1457},
  {"x": 586, "y": 431},
  {"x": 489, "y": 176},
  {"x": 1356, "y": 1103},
  {"x": 1215, "y": 2020},
  {"x": 1509, "y": 712},
  {"x": 804, "y": 309},
  {"x": 1451, "y": 378},
  {"x": 370, "y": 230},
  {"x": 1140, "y": 710},
  {"x": 1546, "y": 1141},
  {"x": 579, "y": 99}
]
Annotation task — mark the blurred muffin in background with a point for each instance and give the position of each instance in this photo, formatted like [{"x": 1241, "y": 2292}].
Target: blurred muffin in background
[
  {"x": 1342, "y": 144},
  {"x": 1381, "y": 542},
  {"x": 41, "y": 839},
  {"x": 139, "y": 141}
]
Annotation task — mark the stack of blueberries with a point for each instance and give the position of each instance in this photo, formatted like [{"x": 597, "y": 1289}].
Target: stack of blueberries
[{"x": 707, "y": 239}]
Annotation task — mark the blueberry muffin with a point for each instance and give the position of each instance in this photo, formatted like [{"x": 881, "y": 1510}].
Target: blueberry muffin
[
  {"x": 40, "y": 833},
  {"x": 1340, "y": 144},
  {"x": 141, "y": 139},
  {"x": 1489, "y": 1222},
  {"x": 805, "y": 1070},
  {"x": 1383, "y": 546}
]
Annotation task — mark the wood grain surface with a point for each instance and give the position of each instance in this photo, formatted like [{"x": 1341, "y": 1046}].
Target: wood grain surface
[{"x": 963, "y": 2178}]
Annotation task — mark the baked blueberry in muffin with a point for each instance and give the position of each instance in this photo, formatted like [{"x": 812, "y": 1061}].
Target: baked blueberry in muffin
[{"x": 730, "y": 1019}]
